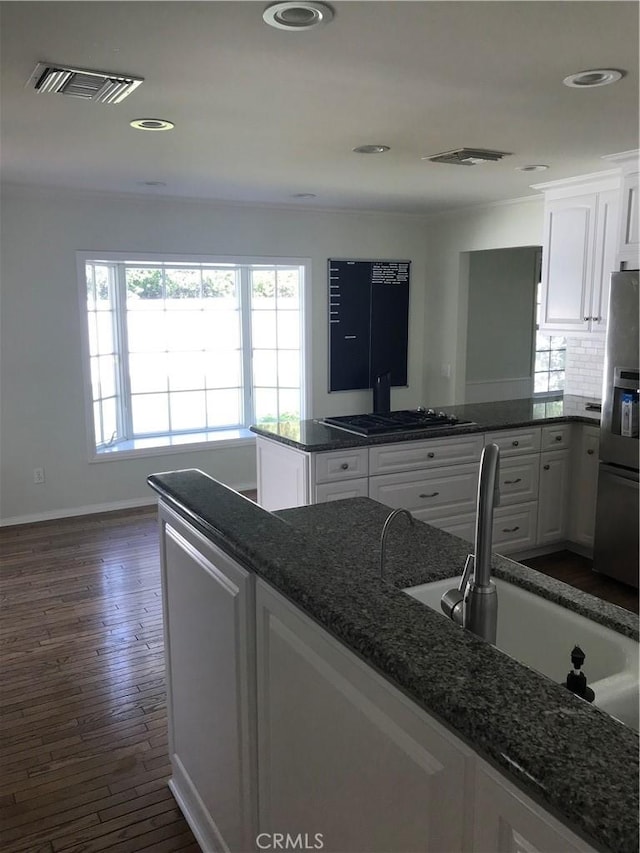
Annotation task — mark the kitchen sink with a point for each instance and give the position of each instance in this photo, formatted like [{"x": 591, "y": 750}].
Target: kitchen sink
[{"x": 541, "y": 634}]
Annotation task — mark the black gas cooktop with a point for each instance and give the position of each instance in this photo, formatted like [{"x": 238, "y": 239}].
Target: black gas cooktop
[{"x": 402, "y": 420}]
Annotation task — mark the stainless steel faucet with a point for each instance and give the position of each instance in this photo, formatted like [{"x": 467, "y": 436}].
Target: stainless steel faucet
[
  {"x": 474, "y": 604},
  {"x": 383, "y": 535}
]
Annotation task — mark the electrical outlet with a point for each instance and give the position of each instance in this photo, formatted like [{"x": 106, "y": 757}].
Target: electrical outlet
[{"x": 38, "y": 475}]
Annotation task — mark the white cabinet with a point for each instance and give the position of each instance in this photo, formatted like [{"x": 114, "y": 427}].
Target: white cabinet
[
  {"x": 284, "y": 479},
  {"x": 580, "y": 245},
  {"x": 342, "y": 753},
  {"x": 209, "y": 614},
  {"x": 358, "y": 488},
  {"x": 629, "y": 249},
  {"x": 507, "y": 821},
  {"x": 584, "y": 486},
  {"x": 555, "y": 471}
]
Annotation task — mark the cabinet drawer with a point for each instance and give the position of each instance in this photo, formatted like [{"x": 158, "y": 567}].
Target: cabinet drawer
[
  {"x": 342, "y": 465},
  {"x": 358, "y": 488},
  {"x": 556, "y": 437},
  {"x": 515, "y": 441},
  {"x": 514, "y": 527},
  {"x": 446, "y": 491},
  {"x": 519, "y": 476},
  {"x": 387, "y": 458}
]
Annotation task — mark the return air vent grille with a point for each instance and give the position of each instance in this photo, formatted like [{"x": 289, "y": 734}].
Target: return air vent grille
[
  {"x": 468, "y": 157},
  {"x": 101, "y": 86}
]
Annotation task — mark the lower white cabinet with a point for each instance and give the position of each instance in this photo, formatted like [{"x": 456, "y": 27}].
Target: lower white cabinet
[
  {"x": 553, "y": 498},
  {"x": 584, "y": 486},
  {"x": 358, "y": 488},
  {"x": 343, "y": 754},
  {"x": 209, "y": 618},
  {"x": 507, "y": 821},
  {"x": 515, "y": 527}
]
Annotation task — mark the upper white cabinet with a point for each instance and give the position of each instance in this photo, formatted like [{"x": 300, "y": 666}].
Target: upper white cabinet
[
  {"x": 628, "y": 256},
  {"x": 579, "y": 252}
]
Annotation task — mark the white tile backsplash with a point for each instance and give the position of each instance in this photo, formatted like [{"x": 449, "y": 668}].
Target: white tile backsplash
[{"x": 584, "y": 366}]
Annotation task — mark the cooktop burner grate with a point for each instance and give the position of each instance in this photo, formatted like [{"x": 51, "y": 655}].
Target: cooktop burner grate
[{"x": 402, "y": 420}]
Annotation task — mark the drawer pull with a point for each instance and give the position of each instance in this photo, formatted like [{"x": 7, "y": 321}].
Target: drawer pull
[
  {"x": 513, "y": 482},
  {"x": 558, "y": 438},
  {"x": 344, "y": 466},
  {"x": 515, "y": 443},
  {"x": 546, "y": 467},
  {"x": 590, "y": 452},
  {"x": 432, "y": 495},
  {"x": 511, "y": 529},
  {"x": 430, "y": 454}
]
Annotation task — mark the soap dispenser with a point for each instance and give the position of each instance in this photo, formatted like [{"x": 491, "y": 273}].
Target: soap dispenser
[{"x": 577, "y": 680}]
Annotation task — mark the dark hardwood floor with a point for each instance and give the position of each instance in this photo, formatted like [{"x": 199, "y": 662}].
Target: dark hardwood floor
[{"x": 83, "y": 729}]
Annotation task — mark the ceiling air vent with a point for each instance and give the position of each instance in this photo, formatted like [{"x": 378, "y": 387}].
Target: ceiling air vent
[
  {"x": 102, "y": 86},
  {"x": 468, "y": 157}
]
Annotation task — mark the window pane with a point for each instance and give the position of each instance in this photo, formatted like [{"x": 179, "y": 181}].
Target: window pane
[
  {"x": 288, "y": 330},
  {"x": 91, "y": 288},
  {"x": 94, "y": 366},
  {"x": 182, "y": 284},
  {"x": 557, "y": 359},
  {"x": 143, "y": 285},
  {"x": 92, "y": 326},
  {"x": 223, "y": 330},
  {"x": 224, "y": 408},
  {"x": 107, "y": 376},
  {"x": 541, "y": 383},
  {"x": 266, "y": 404},
  {"x": 263, "y": 288},
  {"x": 263, "y": 329},
  {"x": 542, "y": 361},
  {"x": 186, "y": 371},
  {"x": 147, "y": 372},
  {"x": 289, "y": 404},
  {"x": 220, "y": 287},
  {"x": 183, "y": 329},
  {"x": 97, "y": 423},
  {"x": 558, "y": 342},
  {"x": 288, "y": 290},
  {"x": 542, "y": 341},
  {"x": 146, "y": 331},
  {"x": 265, "y": 368},
  {"x": 223, "y": 370},
  {"x": 103, "y": 296},
  {"x": 556, "y": 380},
  {"x": 289, "y": 369},
  {"x": 150, "y": 413},
  {"x": 106, "y": 342},
  {"x": 187, "y": 410},
  {"x": 109, "y": 420}
]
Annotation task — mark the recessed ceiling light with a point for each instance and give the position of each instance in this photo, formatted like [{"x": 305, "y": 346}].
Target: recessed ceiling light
[
  {"x": 294, "y": 15},
  {"x": 152, "y": 124},
  {"x": 371, "y": 149},
  {"x": 593, "y": 77},
  {"x": 534, "y": 167},
  {"x": 304, "y": 195}
]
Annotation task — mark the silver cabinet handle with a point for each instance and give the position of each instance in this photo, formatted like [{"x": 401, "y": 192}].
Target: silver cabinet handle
[
  {"x": 590, "y": 452},
  {"x": 513, "y": 482},
  {"x": 546, "y": 467},
  {"x": 344, "y": 466},
  {"x": 515, "y": 443},
  {"x": 511, "y": 529},
  {"x": 586, "y": 319},
  {"x": 558, "y": 438},
  {"x": 430, "y": 454},
  {"x": 432, "y": 495}
]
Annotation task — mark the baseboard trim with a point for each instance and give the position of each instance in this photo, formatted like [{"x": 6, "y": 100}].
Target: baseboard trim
[
  {"x": 194, "y": 811},
  {"x": 95, "y": 509}
]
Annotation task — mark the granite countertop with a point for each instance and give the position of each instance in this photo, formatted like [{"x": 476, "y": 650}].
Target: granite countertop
[
  {"x": 314, "y": 435},
  {"x": 574, "y": 759}
]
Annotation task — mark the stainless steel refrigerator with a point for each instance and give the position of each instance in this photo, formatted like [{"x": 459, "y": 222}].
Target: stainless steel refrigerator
[{"x": 616, "y": 535}]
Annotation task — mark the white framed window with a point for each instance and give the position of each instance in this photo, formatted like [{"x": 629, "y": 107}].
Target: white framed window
[{"x": 184, "y": 350}]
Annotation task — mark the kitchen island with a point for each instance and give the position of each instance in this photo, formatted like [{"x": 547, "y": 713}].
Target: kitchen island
[{"x": 509, "y": 750}]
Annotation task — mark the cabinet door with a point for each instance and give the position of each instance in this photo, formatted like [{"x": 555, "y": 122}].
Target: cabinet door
[
  {"x": 210, "y": 668},
  {"x": 283, "y": 475},
  {"x": 568, "y": 263},
  {"x": 584, "y": 487},
  {"x": 606, "y": 250},
  {"x": 345, "y": 489},
  {"x": 555, "y": 470},
  {"x": 343, "y": 754},
  {"x": 630, "y": 222},
  {"x": 507, "y": 821}
]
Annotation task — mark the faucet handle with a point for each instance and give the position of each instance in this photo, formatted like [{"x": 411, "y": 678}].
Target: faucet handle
[{"x": 453, "y": 599}]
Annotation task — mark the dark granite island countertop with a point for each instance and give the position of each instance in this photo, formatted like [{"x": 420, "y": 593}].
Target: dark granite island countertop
[
  {"x": 575, "y": 760},
  {"x": 314, "y": 435}
]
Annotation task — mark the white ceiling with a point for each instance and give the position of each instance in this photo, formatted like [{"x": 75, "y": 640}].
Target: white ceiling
[{"x": 261, "y": 114}]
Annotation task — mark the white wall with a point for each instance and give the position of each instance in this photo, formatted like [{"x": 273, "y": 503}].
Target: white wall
[
  {"x": 450, "y": 237},
  {"x": 42, "y": 416}
]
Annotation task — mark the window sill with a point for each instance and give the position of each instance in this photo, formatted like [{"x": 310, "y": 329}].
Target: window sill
[{"x": 164, "y": 445}]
